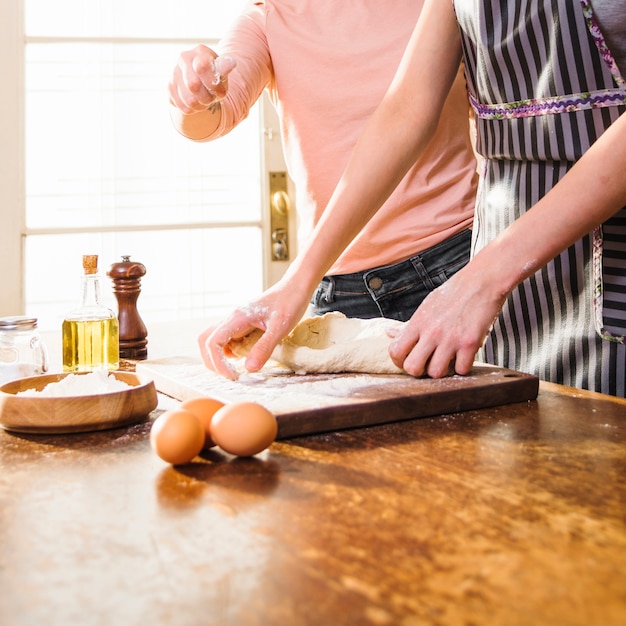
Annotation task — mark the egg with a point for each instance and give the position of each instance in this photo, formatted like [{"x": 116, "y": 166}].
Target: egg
[
  {"x": 177, "y": 436},
  {"x": 243, "y": 428},
  {"x": 204, "y": 409}
]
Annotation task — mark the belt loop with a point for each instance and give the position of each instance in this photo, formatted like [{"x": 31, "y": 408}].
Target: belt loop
[{"x": 329, "y": 296}]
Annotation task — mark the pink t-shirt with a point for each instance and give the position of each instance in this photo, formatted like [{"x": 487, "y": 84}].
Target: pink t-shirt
[{"x": 326, "y": 65}]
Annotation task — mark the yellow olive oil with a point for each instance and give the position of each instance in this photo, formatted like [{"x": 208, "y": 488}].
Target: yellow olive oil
[
  {"x": 91, "y": 338},
  {"x": 90, "y": 344}
]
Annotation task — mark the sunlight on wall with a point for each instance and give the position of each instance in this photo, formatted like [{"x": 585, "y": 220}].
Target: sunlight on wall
[{"x": 102, "y": 154}]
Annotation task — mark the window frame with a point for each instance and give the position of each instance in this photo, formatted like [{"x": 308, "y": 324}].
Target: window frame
[
  {"x": 12, "y": 201},
  {"x": 14, "y": 231}
]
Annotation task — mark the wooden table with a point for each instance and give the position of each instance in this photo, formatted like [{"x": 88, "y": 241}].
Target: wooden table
[{"x": 514, "y": 515}]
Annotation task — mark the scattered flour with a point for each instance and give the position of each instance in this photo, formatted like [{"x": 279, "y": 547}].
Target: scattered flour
[
  {"x": 91, "y": 384},
  {"x": 279, "y": 390}
]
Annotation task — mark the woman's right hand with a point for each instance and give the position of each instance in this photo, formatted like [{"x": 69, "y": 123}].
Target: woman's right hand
[
  {"x": 275, "y": 312},
  {"x": 200, "y": 79}
]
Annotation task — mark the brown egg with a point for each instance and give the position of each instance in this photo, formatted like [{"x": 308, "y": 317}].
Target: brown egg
[
  {"x": 203, "y": 409},
  {"x": 177, "y": 436},
  {"x": 243, "y": 428}
]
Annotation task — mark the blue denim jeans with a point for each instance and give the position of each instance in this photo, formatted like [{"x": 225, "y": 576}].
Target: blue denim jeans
[{"x": 392, "y": 291}]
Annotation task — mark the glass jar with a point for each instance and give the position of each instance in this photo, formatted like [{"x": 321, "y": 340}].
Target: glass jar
[
  {"x": 22, "y": 352},
  {"x": 91, "y": 331}
]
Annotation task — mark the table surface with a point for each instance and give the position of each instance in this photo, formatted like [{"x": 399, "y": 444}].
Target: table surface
[{"x": 510, "y": 515}]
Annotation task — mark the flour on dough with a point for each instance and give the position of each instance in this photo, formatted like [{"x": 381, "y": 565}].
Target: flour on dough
[{"x": 331, "y": 344}]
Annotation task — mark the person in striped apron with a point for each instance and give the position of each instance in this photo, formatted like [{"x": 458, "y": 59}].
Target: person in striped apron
[
  {"x": 545, "y": 290},
  {"x": 545, "y": 84}
]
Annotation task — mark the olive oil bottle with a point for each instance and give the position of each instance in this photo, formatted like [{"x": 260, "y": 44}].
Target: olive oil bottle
[{"x": 90, "y": 332}]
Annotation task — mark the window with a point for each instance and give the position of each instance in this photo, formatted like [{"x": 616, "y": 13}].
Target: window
[{"x": 101, "y": 170}]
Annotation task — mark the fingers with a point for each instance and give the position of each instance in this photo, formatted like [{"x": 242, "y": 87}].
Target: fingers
[
  {"x": 218, "y": 360},
  {"x": 212, "y": 359},
  {"x": 222, "y": 67},
  {"x": 465, "y": 360},
  {"x": 187, "y": 91},
  {"x": 423, "y": 358},
  {"x": 262, "y": 350},
  {"x": 431, "y": 352},
  {"x": 214, "y": 342},
  {"x": 202, "y": 339},
  {"x": 238, "y": 325},
  {"x": 200, "y": 78}
]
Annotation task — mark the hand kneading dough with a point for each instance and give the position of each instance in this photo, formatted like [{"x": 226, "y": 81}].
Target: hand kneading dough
[{"x": 330, "y": 344}]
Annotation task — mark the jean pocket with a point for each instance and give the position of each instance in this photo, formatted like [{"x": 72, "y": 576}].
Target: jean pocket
[{"x": 453, "y": 267}]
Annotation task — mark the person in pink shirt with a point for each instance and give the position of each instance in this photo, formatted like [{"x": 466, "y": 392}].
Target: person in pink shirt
[
  {"x": 326, "y": 66},
  {"x": 545, "y": 289}
]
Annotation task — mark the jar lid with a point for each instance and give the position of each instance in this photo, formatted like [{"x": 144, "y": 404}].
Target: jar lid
[{"x": 17, "y": 322}]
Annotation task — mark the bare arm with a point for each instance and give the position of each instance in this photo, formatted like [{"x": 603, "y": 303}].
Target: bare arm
[
  {"x": 392, "y": 140},
  {"x": 208, "y": 98},
  {"x": 451, "y": 324}
]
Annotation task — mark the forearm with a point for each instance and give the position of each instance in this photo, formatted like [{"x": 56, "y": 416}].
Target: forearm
[
  {"x": 374, "y": 170},
  {"x": 393, "y": 139},
  {"x": 592, "y": 191}
]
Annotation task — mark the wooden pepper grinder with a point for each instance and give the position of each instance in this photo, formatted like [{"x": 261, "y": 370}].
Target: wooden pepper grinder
[{"x": 126, "y": 277}]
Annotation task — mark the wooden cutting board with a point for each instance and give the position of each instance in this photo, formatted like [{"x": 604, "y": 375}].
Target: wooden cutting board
[{"x": 314, "y": 403}]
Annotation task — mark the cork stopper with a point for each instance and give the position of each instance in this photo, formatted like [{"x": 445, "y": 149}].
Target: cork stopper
[{"x": 90, "y": 263}]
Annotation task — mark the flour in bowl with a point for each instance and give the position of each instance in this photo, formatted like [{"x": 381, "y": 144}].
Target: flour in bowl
[{"x": 92, "y": 384}]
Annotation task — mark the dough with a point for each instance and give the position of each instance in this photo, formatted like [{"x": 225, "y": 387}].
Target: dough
[{"x": 332, "y": 343}]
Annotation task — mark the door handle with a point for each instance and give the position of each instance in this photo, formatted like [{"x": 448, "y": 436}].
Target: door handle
[{"x": 280, "y": 207}]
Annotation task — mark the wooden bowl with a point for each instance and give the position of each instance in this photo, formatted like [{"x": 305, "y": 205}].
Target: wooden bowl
[{"x": 74, "y": 414}]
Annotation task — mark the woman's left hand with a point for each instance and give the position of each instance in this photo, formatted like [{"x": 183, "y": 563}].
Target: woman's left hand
[{"x": 449, "y": 327}]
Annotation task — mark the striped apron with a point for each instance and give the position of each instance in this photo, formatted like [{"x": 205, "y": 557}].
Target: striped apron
[{"x": 544, "y": 87}]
